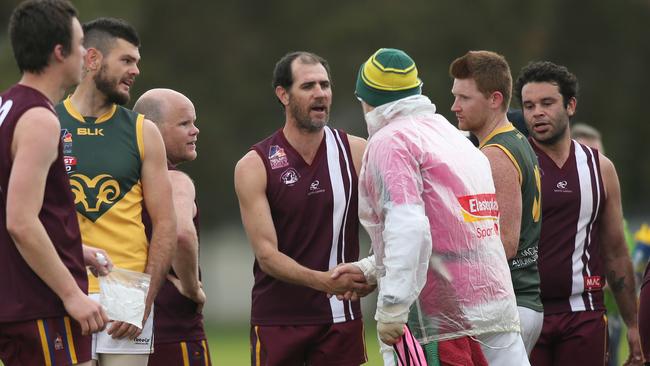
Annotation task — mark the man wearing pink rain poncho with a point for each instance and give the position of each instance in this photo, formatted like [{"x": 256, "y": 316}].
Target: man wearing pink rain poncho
[{"x": 427, "y": 200}]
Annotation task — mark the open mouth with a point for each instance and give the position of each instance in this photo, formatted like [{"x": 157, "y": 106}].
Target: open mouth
[
  {"x": 541, "y": 126},
  {"x": 127, "y": 82}
]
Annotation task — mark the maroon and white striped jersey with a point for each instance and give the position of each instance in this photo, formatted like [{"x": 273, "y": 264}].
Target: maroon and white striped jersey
[
  {"x": 315, "y": 214},
  {"x": 570, "y": 264}
]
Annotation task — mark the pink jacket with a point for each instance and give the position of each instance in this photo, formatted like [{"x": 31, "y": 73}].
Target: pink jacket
[{"x": 427, "y": 200}]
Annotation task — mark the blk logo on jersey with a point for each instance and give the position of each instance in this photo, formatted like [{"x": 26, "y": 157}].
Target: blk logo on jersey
[
  {"x": 479, "y": 207},
  {"x": 290, "y": 177},
  {"x": 86, "y": 131},
  {"x": 277, "y": 157},
  {"x": 70, "y": 164},
  {"x": 593, "y": 283},
  {"x": 94, "y": 196}
]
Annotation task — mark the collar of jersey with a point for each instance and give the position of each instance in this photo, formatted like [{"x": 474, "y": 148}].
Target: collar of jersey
[
  {"x": 506, "y": 128},
  {"x": 67, "y": 103}
]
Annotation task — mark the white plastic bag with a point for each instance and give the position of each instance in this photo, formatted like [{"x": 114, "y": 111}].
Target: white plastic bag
[{"x": 123, "y": 294}]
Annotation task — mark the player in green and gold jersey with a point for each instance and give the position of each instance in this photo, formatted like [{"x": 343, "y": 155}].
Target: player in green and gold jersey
[{"x": 482, "y": 89}]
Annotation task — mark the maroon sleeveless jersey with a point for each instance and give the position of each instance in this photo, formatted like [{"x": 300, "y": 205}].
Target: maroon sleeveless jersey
[
  {"x": 314, "y": 210},
  {"x": 24, "y": 295},
  {"x": 175, "y": 317},
  {"x": 570, "y": 264}
]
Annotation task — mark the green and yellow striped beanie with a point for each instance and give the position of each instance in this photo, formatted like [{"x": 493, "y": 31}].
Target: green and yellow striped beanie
[{"x": 388, "y": 75}]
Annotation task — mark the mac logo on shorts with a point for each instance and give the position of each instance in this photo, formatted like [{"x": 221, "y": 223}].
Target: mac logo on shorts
[{"x": 290, "y": 177}]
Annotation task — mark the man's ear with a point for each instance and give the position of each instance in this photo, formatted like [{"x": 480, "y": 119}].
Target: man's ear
[
  {"x": 571, "y": 106},
  {"x": 282, "y": 94},
  {"x": 58, "y": 54},
  {"x": 496, "y": 100},
  {"x": 93, "y": 59}
]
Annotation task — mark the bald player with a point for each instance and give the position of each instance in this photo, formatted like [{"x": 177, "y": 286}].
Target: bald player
[{"x": 179, "y": 338}]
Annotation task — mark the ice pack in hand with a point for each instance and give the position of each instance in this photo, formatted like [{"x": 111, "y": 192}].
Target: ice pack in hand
[{"x": 122, "y": 293}]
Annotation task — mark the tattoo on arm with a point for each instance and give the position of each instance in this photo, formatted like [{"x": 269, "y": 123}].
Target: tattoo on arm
[{"x": 617, "y": 284}]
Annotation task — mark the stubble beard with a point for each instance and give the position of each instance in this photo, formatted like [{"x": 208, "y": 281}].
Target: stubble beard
[
  {"x": 553, "y": 139},
  {"x": 305, "y": 123},
  {"x": 109, "y": 88}
]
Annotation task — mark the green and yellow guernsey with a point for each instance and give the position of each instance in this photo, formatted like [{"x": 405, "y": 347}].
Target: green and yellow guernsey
[
  {"x": 103, "y": 158},
  {"x": 523, "y": 267}
]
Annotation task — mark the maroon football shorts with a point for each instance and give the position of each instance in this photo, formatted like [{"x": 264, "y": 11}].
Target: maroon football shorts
[
  {"x": 190, "y": 353},
  {"x": 49, "y": 341},
  {"x": 340, "y": 344},
  {"x": 576, "y": 338}
]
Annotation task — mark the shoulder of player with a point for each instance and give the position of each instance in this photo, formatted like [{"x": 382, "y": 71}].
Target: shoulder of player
[
  {"x": 40, "y": 120},
  {"x": 501, "y": 160},
  {"x": 357, "y": 144},
  {"x": 250, "y": 171},
  {"x": 608, "y": 171},
  {"x": 180, "y": 179},
  {"x": 496, "y": 153},
  {"x": 151, "y": 134},
  {"x": 249, "y": 162},
  {"x": 182, "y": 185},
  {"x": 148, "y": 124}
]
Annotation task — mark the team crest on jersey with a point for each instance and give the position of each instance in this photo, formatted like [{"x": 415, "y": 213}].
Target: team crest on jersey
[
  {"x": 478, "y": 207},
  {"x": 70, "y": 164},
  {"x": 277, "y": 157},
  {"x": 290, "y": 177},
  {"x": 94, "y": 196}
]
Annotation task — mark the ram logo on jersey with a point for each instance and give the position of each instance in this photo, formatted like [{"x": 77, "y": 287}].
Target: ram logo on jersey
[{"x": 96, "y": 195}]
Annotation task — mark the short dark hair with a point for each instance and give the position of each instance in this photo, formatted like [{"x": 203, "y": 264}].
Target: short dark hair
[
  {"x": 548, "y": 72},
  {"x": 283, "y": 73},
  {"x": 36, "y": 27},
  {"x": 102, "y": 32},
  {"x": 488, "y": 69}
]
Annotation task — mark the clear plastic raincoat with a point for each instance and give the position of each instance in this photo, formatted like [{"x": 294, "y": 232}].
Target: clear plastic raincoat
[{"x": 427, "y": 200}]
